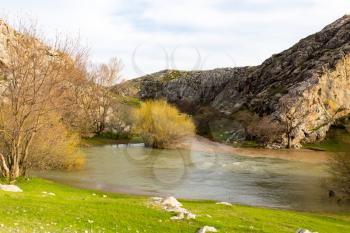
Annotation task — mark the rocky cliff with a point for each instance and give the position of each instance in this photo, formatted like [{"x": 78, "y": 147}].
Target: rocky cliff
[{"x": 304, "y": 88}]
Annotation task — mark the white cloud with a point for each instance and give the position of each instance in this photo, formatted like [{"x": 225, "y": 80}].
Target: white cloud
[{"x": 225, "y": 32}]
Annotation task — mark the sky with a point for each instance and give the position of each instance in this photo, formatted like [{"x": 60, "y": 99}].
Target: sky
[{"x": 149, "y": 36}]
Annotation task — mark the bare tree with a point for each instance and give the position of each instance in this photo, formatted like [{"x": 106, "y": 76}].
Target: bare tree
[
  {"x": 93, "y": 95},
  {"x": 36, "y": 77}
]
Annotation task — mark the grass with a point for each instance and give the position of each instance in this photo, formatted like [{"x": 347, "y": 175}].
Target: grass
[
  {"x": 75, "y": 210},
  {"x": 336, "y": 140}
]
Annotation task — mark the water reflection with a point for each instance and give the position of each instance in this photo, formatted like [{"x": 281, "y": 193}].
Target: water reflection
[{"x": 197, "y": 175}]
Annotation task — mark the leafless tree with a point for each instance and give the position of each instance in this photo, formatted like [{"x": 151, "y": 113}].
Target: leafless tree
[{"x": 36, "y": 76}]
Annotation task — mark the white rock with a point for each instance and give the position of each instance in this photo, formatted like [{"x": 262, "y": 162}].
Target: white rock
[
  {"x": 10, "y": 188},
  {"x": 176, "y": 210},
  {"x": 180, "y": 216},
  {"x": 51, "y": 194},
  {"x": 171, "y": 202},
  {"x": 207, "y": 229},
  {"x": 224, "y": 203},
  {"x": 156, "y": 198},
  {"x": 304, "y": 231},
  {"x": 190, "y": 216}
]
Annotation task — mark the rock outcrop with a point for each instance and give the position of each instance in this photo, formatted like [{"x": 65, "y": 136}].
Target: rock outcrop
[{"x": 304, "y": 88}]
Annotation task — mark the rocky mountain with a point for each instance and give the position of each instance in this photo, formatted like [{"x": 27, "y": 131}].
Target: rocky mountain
[{"x": 304, "y": 88}]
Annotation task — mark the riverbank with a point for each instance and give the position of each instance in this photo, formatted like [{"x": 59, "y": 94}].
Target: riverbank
[
  {"x": 76, "y": 210},
  {"x": 202, "y": 144}
]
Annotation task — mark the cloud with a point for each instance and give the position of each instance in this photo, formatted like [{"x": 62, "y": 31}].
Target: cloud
[{"x": 159, "y": 34}]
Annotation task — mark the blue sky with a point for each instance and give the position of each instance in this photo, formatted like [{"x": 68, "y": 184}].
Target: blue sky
[{"x": 149, "y": 36}]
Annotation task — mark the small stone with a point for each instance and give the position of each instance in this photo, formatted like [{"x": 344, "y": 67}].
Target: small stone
[
  {"x": 207, "y": 229},
  {"x": 191, "y": 216},
  {"x": 180, "y": 216},
  {"x": 305, "y": 231},
  {"x": 224, "y": 203},
  {"x": 10, "y": 188}
]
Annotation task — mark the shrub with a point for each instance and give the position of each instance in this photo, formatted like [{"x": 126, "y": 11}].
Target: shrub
[
  {"x": 265, "y": 130},
  {"x": 160, "y": 124},
  {"x": 55, "y": 147}
]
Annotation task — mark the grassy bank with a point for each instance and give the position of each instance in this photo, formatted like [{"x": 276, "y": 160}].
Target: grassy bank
[{"x": 75, "y": 210}]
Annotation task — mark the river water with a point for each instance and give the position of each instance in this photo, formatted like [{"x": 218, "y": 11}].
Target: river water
[{"x": 251, "y": 181}]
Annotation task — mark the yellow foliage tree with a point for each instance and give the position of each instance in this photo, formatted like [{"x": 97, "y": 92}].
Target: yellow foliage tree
[{"x": 160, "y": 124}]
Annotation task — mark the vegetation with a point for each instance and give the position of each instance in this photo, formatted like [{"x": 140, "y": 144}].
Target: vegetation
[
  {"x": 160, "y": 124},
  {"x": 259, "y": 129},
  {"x": 30, "y": 102},
  {"x": 52, "y": 95},
  {"x": 74, "y": 210}
]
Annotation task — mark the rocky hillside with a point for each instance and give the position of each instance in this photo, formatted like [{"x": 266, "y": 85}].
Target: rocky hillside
[{"x": 304, "y": 88}]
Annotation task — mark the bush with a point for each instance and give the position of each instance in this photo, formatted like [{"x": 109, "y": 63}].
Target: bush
[
  {"x": 160, "y": 124},
  {"x": 53, "y": 147}
]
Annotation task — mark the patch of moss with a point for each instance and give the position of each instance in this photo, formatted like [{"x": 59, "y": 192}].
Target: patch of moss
[{"x": 171, "y": 75}]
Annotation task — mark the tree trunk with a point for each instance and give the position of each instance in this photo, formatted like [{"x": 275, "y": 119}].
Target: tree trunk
[{"x": 289, "y": 141}]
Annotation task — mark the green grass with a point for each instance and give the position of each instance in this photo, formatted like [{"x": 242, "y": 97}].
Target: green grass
[{"x": 75, "y": 210}]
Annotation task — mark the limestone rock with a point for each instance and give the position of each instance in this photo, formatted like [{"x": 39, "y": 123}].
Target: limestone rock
[
  {"x": 10, "y": 188},
  {"x": 224, "y": 203},
  {"x": 298, "y": 75},
  {"x": 171, "y": 202},
  {"x": 207, "y": 229},
  {"x": 304, "y": 231}
]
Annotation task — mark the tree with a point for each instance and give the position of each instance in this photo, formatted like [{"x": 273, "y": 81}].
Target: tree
[
  {"x": 36, "y": 78},
  {"x": 265, "y": 130},
  {"x": 103, "y": 78},
  {"x": 92, "y": 101}
]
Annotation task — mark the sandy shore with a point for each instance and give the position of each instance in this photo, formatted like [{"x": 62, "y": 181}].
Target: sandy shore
[{"x": 205, "y": 145}]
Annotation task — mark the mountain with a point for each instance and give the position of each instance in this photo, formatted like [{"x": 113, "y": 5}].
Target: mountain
[{"x": 304, "y": 88}]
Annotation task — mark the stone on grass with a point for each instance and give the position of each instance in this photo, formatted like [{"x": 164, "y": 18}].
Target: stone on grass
[
  {"x": 207, "y": 229},
  {"x": 190, "y": 216},
  {"x": 10, "y": 188},
  {"x": 171, "y": 202},
  {"x": 224, "y": 203},
  {"x": 180, "y": 216},
  {"x": 304, "y": 231},
  {"x": 176, "y": 210}
]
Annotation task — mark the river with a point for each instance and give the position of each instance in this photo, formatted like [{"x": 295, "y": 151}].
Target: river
[{"x": 254, "y": 181}]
